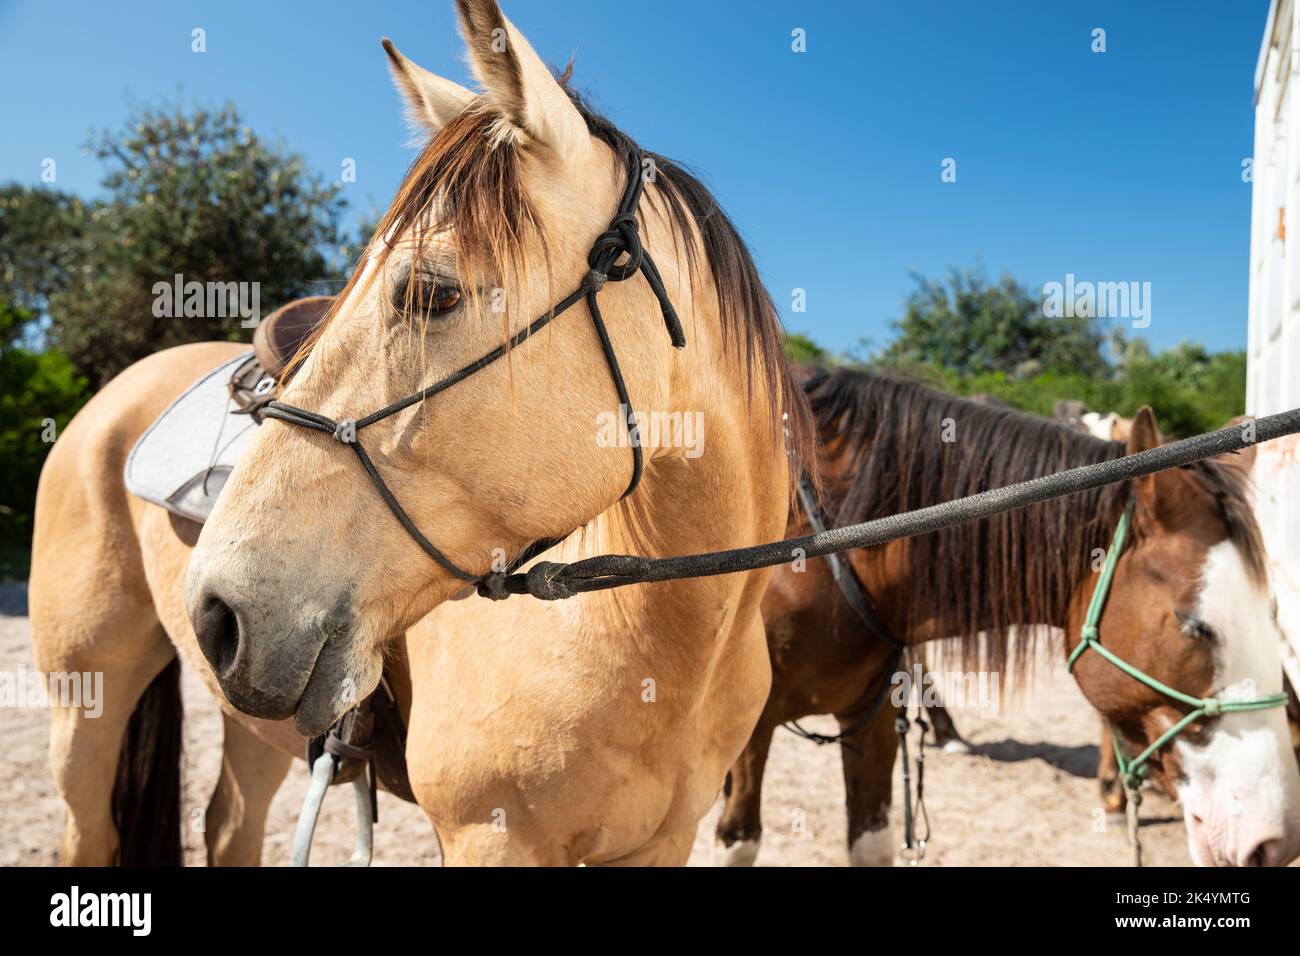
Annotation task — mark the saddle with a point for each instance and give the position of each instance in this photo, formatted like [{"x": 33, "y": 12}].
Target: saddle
[{"x": 276, "y": 340}]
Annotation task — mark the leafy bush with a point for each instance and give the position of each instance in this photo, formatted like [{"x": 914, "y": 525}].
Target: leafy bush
[
  {"x": 970, "y": 336},
  {"x": 39, "y": 393}
]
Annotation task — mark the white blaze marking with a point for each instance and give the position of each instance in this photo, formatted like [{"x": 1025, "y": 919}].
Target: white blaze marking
[{"x": 1242, "y": 783}]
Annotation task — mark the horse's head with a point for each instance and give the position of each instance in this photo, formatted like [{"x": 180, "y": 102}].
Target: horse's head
[
  {"x": 303, "y": 572},
  {"x": 1189, "y": 605}
]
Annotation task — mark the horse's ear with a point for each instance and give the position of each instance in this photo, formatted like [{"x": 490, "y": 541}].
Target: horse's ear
[
  {"x": 431, "y": 101},
  {"x": 1143, "y": 433},
  {"x": 517, "y": 82},
  {"x": 1150, "y": 490}
]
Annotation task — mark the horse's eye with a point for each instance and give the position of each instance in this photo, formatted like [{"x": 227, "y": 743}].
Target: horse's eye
[
  {"x": 441, "y": 299},
  {"x": 430, "y": 296},
  {"x": 1195, "y": 628}
]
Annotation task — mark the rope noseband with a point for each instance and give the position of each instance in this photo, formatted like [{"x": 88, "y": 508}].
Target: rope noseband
[{"x": 622, "y": 240}]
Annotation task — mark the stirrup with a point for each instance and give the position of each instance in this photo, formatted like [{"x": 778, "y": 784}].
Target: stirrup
[{"x": 322, "y": 774}]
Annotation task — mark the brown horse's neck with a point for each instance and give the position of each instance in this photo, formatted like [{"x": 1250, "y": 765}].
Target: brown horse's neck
[
  {"x": 895, "y": 446},
  {"x": 990, "y": 603}
]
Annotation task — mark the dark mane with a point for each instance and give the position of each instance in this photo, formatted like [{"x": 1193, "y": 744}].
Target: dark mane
[
  {"x": 750, "y": 321},
  {"x": 1018, "y": 568}
]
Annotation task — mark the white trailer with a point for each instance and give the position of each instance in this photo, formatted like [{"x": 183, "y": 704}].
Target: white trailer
[{"x": 1273, "y": 337}]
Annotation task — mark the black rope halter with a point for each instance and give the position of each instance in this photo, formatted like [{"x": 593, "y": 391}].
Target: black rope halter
[{"x": 622, "y": 240}]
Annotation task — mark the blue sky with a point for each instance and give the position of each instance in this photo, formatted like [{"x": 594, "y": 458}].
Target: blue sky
[{"x": 1118, "y": 166}]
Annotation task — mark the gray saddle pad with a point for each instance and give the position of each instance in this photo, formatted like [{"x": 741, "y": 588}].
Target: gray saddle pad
[{"x": 183, "y": 460}]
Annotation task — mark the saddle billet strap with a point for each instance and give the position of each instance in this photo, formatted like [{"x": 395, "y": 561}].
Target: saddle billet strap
[
  {"x": 621, "y": 239},
  {"x": 850, "y": 585},
  {"x": 373, "y": 736}
]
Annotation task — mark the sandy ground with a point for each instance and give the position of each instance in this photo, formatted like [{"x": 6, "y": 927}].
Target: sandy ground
[{"x": 1026, "y": 796}]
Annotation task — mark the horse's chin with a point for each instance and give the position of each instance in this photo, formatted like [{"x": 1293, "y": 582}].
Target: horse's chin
[
  {"x": 313, "y": 718},
  {"x": 338, "y": 682}
]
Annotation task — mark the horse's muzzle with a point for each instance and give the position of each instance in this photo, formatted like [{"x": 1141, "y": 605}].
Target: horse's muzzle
[{"x": 269, "y": 667}]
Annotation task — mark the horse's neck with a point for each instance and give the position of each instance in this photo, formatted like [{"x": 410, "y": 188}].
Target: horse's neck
[
  {"x": 728, "y": 487},
  {"x": 890, "y": 572},
  {"x": 729, "y": 490}
]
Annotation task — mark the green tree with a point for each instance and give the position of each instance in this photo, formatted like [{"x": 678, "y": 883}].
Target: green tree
[
  {"x": 802, "y": 350},
  {"x": 41, "y": 235},
  {"x": 969, "y": 337},
  {"x": 971, "y": 326},
  {"x": 39, "y": 393},
  {"x": 200, "y": 195}
]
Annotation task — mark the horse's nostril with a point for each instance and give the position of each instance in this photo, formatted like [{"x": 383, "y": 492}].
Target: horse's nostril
[
  {"x": 217, "y": 628},
  {"x": 1267, "y": 853}
]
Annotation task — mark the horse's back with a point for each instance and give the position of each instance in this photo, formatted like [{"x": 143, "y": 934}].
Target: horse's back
[{"x": 84, "y": 537}]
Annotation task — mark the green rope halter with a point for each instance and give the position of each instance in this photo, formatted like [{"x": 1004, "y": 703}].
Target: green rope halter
[{"x": 1133, "y": 771}]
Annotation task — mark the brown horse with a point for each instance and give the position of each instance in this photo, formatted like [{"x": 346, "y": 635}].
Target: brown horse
[
  {"x": 1189, "y": 605},
  {"x": 596, "y": 729}
]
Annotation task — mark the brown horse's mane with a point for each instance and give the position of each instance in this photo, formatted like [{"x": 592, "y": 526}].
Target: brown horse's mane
[
  {"x": 467, "y": 180},
  {"x": 1018, "y": 568}
]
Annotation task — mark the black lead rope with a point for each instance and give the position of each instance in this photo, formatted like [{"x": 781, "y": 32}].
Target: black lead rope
[
  {"x": 551, "y": 581},
  {"x": 850, "y": 585},
  {"x": 622, "y": 240}
]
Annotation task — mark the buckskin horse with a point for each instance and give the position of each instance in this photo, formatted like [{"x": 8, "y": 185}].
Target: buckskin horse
[
  {"x": 1188, "y": 605},
  {"x": 596, "y": 730}
]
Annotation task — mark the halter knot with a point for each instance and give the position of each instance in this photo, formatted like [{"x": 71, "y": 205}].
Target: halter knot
[
  {"x": 1133, "y": 784},
  {"x": 493, "y": 586},
  {"x": 1212, "y": 706},
  {"x": 623, "y": 237},
  {"x": 1089, "y": 633},
  {"x": 622, "y": 240}
]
